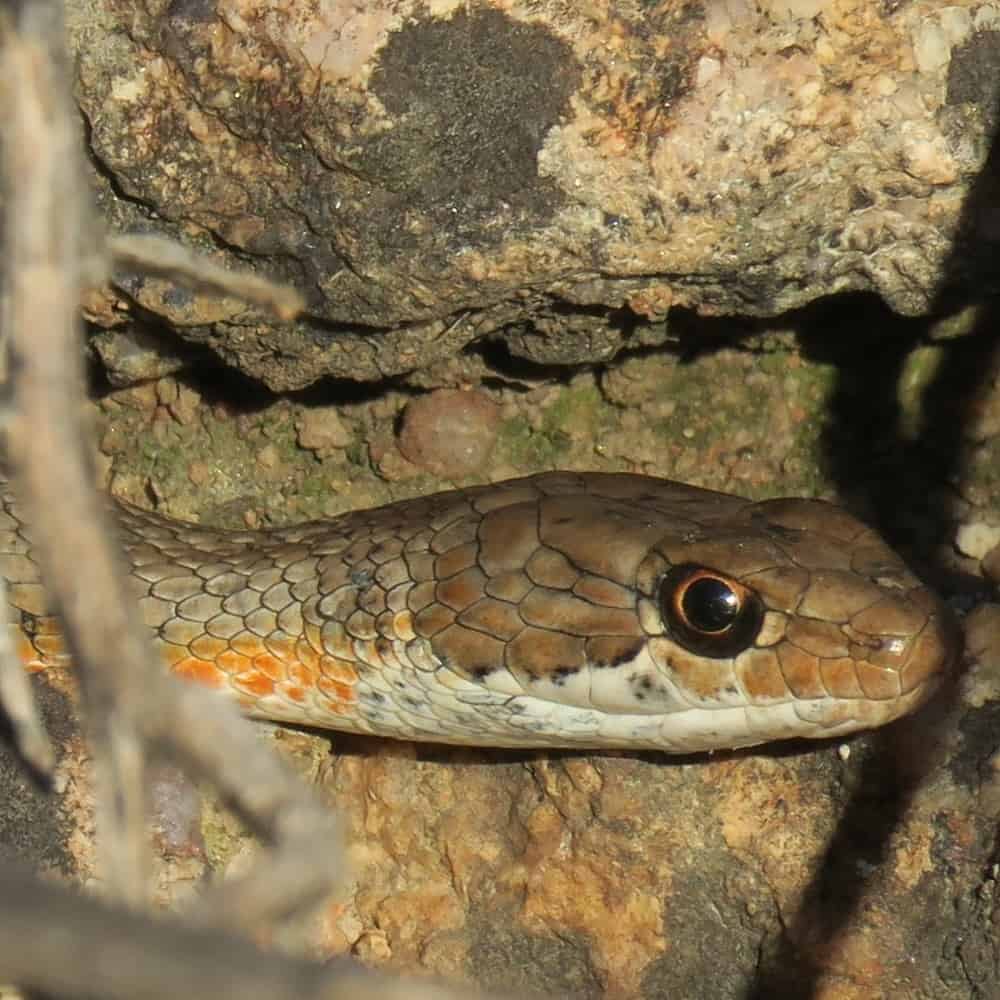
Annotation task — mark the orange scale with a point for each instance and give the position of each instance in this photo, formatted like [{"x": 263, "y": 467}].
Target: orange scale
[
  {"x": 171, "y": 653},
  {"x": 46, "y": 625},
  {"x": 269, "y": 666},
  {"x": 299, "y": 673},
  {"x": 338, "y": 670},
  {"x": 341, "y": 695},
  {"x": 402, "y": 625},
  {"x": 199, "y": 671},
  {"x": 340, "y": 644},
  {"x": 305, "y": 653},
  {"x": 231, "y": 662},
  {"x": 51, "y": 647},
  {"x": 284, "y": 649},
  {"x": 28, "y": 655},
  {"x": 208, "y": 647},
  {"x": 296, "y": 694},
  {"x": 254, "y": 683},
  {"x": 246, "y": 643},
  {"x": 335, "y": 708}
]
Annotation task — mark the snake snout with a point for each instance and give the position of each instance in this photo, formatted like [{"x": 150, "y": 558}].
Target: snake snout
[
  {"x": 932, "y": 655},
  {"x": 897, "y": 672}
]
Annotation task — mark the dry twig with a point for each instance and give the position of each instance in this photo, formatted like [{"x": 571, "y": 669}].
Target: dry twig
[{"x": 153, "y": 255}]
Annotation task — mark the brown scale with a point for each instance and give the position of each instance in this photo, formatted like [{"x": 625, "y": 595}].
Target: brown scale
[
  {"x": 801, "y": 672},
  {"x": 604, "y": 537},
  {"x": 461, "y": 590},
  {"x": 562, "y": 612},
  {"x": 823, "y": 639},
  {"x": 508, "y": 538},
  {"x": 496, "y": 618},
  {"x": 454, "y": 561},
  {"x": 597, "y": 590},
  {"x": 511, "y": 586},
  {"x": 759, "y": 673},
  {"x": 611, "y": 650},
  {"x": 549, "y": 568},
  {"x": 780, "y": 586},
  {"x": 473, "y": 653},
  {"x": 834, "y": 596},
  {"x": 537, "y": 653}
]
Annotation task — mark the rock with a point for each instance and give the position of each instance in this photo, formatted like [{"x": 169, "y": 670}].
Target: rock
[
  {"x": 977, "y": 539},
  {"x": 321, "y": 430},
  {"x": 135, "y": 355},
  {"x": 982, "y": 644},
  {"x": 563, "y": 180},
  {"x": 449, "y": 432}
]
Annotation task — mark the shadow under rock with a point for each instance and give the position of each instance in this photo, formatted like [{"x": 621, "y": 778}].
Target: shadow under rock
[{"x": 900, "y": 472}]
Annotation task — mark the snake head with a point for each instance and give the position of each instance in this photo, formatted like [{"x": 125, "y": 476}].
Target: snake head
[
  {"x": 790, "y": 618},
  {"x": 623, "y": 611}
]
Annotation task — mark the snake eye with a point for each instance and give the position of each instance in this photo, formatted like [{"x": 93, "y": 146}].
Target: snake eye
[{"x": 709, "y": 613}]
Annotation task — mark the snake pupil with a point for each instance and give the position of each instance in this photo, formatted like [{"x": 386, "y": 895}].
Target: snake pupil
[{"x": 710, "y": 605}]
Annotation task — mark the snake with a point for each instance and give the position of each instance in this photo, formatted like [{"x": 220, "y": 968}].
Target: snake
[{"x": 561, "y": 610}]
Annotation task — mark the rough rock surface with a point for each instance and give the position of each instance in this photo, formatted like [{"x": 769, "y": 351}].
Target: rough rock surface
[{"x": 560, "y": 175}]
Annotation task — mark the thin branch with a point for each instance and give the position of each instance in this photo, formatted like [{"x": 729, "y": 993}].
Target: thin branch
[{"x": 162, "y": 257}]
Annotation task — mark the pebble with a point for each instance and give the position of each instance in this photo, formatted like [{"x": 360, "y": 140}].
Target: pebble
[
  {"x": 449, "y": 432},
  {"x": 931, "y": 49},
  {"x": 166, "y": 391},
  {"x": 133, "y": 356},
  {"x": 175, "y": 812},
  {"x": 977, "y": 539},
  {"x": 320, "y": 430},
  {"x": 268, "y": 457},
  {"x": 199, "y": 472},
  {"x": 185, "y": 407},
  {"x": 372, "y": 947}
]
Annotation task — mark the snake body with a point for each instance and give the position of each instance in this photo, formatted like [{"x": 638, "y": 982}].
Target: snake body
[{"x": 560, "y": 610}]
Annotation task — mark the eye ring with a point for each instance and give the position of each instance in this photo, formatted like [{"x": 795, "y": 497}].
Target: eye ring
[{"x": 708, "y": 612}]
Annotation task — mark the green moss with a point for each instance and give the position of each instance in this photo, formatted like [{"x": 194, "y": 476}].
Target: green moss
[
  {"x": 527, "y": 448},
  {"x": 357, "y": 454},
  {"x": 578, "y": 413},
  {"x": 919, "y": 371},
  {"x": 721, "y": 411},
  {"x": 577, "y": 410},
  {"x": 162, "y": 459}
]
